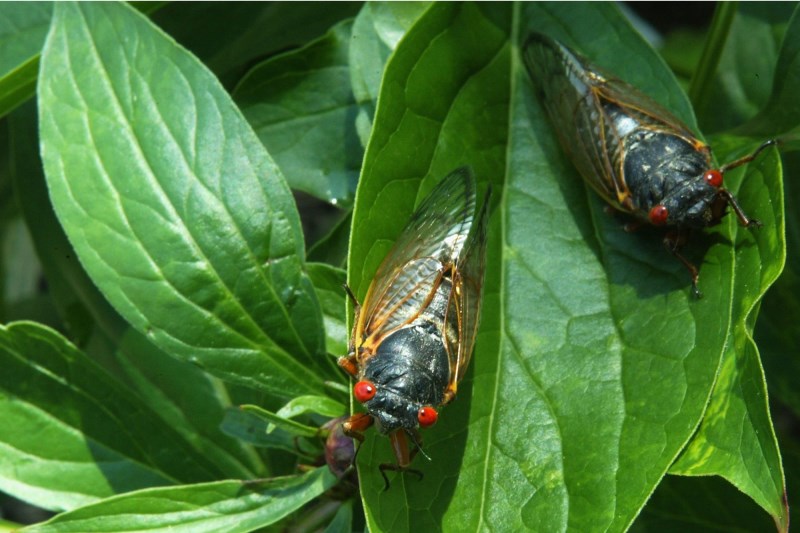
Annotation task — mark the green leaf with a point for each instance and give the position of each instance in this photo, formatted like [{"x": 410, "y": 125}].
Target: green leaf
[
  {"x": 736, "y": 439},
  {"x": 377, "y": 30},
  {"x": 84, "y": 311},
  {"x": 23, "y": 26},
  {"x": 343, "y": 520},
  {"x": 189, "y": 399},
  {"x": 700, "y": 504},
  {"x": 332, "y": 247},
  {"x": 776, "y": 332},
  {"x": 740, "y": 85},
  {"x": 73, "y": 434},
  {"x": 594, "y": 364},
  {"x": 230, "y": 506},
  {"x": 781, "y": 113},
  {"x": 301, "y": 106},
  {"x": 229, "y": 37},
  {"x": 329, "y": 282},
  {"x": 252, "y": 429},
  {"x": 311, "y": 404},
  {"x": 279, "y": 422},
  {"x": 177, "y": 213}
]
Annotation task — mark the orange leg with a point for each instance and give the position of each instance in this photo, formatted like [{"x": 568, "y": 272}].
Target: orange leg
[
  {"x": 354, "y": 428},
  {"x": 403, "y": 456},
  {"x": 355, "y": 425},
  {"x": 349, "y": 364}
]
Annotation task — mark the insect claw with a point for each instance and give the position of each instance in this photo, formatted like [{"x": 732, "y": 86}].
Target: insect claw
[
  {"x": 383, "y": 467},
  {"x": 695, "y": 291}
]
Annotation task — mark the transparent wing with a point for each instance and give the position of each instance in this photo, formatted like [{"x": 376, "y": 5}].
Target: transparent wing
[
  {"x": 465, "y": 303},
  {"x": 434, "y": 238},
  {"x": 572, "y": 101},
  {"x": 645, "y": 109}
]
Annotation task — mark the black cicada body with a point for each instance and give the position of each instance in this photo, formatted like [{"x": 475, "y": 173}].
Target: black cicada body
[
  {"x": 413, "y": 336},
  {"x": 633, "y": 152}
]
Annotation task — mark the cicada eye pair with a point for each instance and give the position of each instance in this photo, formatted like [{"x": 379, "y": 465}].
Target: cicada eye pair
[
  {"x": 365, "y": 390},
  {"x": 659, "y": 214}
]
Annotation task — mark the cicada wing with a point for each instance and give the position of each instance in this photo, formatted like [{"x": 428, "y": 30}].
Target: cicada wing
[
  {"x": 465, "y": 302},
  {"x": 573, "y": 98},
  {"x": 642, "y": 108},
  {"x": 434, "y": 238}
]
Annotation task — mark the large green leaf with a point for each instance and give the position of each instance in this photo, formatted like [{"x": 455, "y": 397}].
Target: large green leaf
[
  {"x": 230, "y": 506},
  {"x": 777, "y": 332},
  {"x": 594, "y": 364},
  {"x": 301, "y": 106},
  {"x": 781, "y": 112},
  {"x": 377, "y": 30},
  {"x": 740, "y": 85},
  {"x": 189, "y": 399},
  {"x": 72, "y": 434},
  {"x": 736, "y": 439},
  {"x": 175, "y": 210},
  {"x": 229, "y": 37}
]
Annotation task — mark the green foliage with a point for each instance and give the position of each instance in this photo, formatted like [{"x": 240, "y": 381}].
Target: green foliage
[{"x": 186, "y": 376}]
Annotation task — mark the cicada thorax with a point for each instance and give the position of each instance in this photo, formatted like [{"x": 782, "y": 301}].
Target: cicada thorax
[{"x": 662, "y": 172}]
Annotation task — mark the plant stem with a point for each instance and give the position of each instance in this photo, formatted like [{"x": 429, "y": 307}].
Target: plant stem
[{"x": 701, "y": 87}]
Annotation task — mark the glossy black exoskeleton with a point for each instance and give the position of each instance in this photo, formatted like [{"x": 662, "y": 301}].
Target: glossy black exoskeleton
[
  {"x": 413, "y": 336},
  {"x": 639, "y": 157}
]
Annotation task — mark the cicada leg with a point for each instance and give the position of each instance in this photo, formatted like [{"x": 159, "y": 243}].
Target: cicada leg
[
  {"x": 355, "y": 426},
  {"x": 744, "y": 220},
  {"x": 746, "y": 159},
  {"x": 403, "y": 456},
  {"x": 673, "y": 241},
  {"x": 349, "y": 364}
]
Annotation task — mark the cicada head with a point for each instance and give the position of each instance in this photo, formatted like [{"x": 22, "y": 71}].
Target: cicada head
[
  {"x": 695, "y": 203},
  {"x": 393, "y": 411},
  {"x": 669, "y": 182}
]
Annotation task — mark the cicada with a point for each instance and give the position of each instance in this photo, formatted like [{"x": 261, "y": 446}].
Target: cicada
[
  {"x": 639, "y": 157},
  {"x": 414, "y": 333}
]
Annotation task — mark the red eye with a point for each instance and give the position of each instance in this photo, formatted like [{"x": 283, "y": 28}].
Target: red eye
[
  {"x": 364, "y": 391},
  {"x": 427, "y": 416},
  {"x": 658, "y": 215},
  {"x": 713, "y": 178}
]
